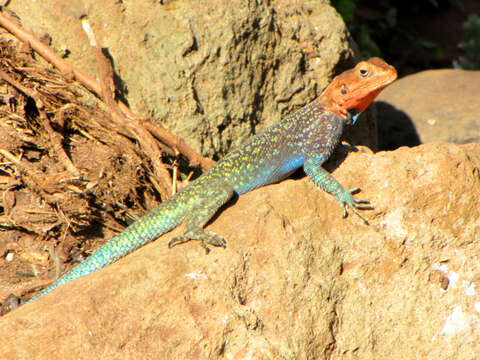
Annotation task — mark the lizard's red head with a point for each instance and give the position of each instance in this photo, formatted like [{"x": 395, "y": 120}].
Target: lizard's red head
[{"x": 357, "y": 88}]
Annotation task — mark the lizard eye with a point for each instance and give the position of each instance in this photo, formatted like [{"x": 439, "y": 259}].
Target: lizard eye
[
  {"x": 343, "y": 89},
  {"x": 363, "y": 72}
]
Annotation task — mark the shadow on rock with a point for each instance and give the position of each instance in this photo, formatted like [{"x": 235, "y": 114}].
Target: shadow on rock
[{"x": 395, "y": 128}]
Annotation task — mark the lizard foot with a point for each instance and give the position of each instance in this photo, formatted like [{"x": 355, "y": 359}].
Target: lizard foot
[
  {"x": 198, "y": 234},
  {"x": 347, "y": 200}
]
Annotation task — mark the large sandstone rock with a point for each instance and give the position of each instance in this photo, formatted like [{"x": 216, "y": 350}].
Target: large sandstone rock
[
  {"x": 433, "y": 105},
  {"x": 296, "y": 280},
  {"x": 213, "y": 72}
]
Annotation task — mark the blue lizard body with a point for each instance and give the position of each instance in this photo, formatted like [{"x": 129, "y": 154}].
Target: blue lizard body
[{"x": 305, "y": 139}]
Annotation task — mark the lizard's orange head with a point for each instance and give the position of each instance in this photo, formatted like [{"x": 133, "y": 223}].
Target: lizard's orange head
[{"x": 357, "y": 88}]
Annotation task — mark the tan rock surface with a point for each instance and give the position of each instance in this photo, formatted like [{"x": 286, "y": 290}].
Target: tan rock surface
[
  {"x": 433, "y": 105},
  {"x": 296, "y": 280},
  {"x": 214, "y": 72}
]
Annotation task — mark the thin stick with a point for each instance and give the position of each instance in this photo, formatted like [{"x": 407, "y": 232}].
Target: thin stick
[
  {"x": 146, "y": 140},
  {"x": 169, "y": 139}
]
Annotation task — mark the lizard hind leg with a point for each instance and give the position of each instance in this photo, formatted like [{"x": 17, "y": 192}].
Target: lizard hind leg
[{"x": 208, "y": 202}]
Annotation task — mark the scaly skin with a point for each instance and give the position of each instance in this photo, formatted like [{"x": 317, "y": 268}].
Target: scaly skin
[{"x": 306, "y": 138}]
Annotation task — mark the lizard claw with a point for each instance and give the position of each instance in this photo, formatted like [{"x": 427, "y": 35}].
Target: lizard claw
[{"x": 349, "y": 201}]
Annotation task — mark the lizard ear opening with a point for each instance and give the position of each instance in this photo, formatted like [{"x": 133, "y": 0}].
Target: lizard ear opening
[{"x": 343, "y": 89}]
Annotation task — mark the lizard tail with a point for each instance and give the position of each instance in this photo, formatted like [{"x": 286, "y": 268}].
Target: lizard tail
[{"x": 155, "y": 223}]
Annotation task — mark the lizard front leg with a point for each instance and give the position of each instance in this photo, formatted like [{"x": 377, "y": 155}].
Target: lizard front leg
[
  {"x": 208, "y": 201},
  {"x": 322, "y": 178}
]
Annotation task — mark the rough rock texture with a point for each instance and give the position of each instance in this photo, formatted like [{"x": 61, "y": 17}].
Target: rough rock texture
[
  {"x": 213, "y": 72},
  {"x": 434, "y": 105},
  {"x": 296, "y": 280}
]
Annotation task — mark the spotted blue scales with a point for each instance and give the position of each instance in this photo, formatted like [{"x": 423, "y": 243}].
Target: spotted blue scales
[{"x": 305, "y": 139}]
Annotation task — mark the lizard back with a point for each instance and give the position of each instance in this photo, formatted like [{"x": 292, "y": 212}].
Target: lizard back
[{"x": 274, "y": 154}]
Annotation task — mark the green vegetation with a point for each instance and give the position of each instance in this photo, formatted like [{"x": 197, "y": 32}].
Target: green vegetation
[
  {"x": 471, "y": 60},
  {"x": 385, "y": 28}
]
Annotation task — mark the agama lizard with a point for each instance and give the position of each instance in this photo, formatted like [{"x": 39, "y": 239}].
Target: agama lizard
[{"x": 305, "y": 138}]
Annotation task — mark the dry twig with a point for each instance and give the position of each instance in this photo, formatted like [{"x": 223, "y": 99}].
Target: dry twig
[
  {"x": 169, "y": 139},
  {"x": 146, "y": 140}
]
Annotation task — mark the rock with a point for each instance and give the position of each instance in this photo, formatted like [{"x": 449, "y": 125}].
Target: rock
[
  {"x": 433, "y": 105},
  {"x": 296, "y": 281},
  {"x": 214, "y": 72}
]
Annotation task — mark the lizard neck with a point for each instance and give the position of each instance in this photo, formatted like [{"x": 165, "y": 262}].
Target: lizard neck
[{"x": 329, "y": 103}]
